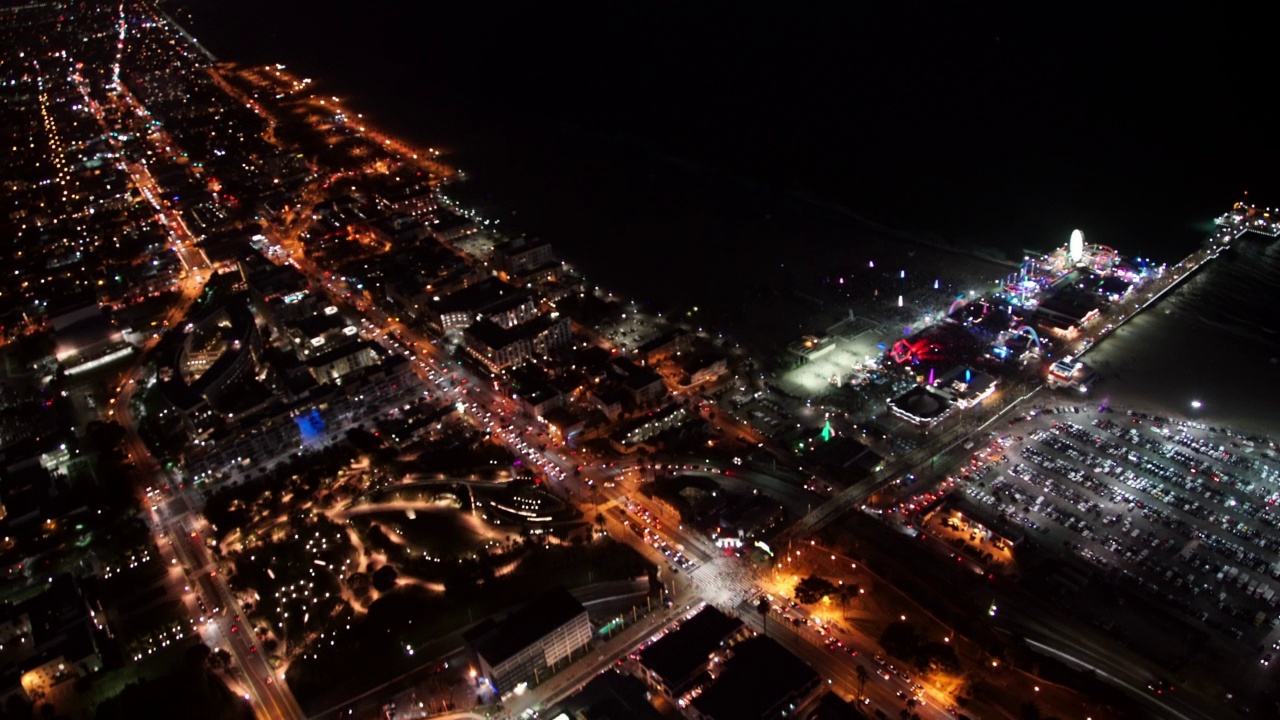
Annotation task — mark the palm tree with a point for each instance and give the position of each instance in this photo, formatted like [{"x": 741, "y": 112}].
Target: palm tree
[
  {"x": 762, "y": 606},
  {"x": 861, "y": 672},
  {"x": 600, "y": 522}
]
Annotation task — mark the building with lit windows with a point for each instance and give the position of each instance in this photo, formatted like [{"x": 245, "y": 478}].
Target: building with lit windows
[
  {"x": 206, "y": 361},
  {"x": 47, "y": 640},
  {"x": 501, "y": 347},
  {"x": 491, "y": 299},
  {"x": 1070, "y": 373},
  {"x": 964, "y": 386},
  {"x": 521, "y": 257},
  {"x": 532, "y": 643},
  {"x": 676, "y": 665},
  {"x": 760, "y": 679}
]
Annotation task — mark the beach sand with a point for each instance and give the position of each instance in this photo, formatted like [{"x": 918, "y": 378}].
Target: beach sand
[{"x": 1154, "y": 363}]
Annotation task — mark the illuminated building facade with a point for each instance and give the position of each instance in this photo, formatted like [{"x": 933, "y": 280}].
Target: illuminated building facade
[{"x": 532, "y": 643}]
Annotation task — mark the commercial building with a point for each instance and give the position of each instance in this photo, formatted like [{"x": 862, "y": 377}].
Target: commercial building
[
  {"x": 266, "y": 281},
  {"x": 275, "y": 429},
  {"x": 86, "y": 338},
  {"x": 1070, "y": 373},
  {"x": 661, "y": 347},
  {"x": 501, "y": 347},
  {"x": 677, "y": 663},
  {"x": 610, "y": 696},
  {"x": 701, "y": 367},
  {"x": 760, "y": 680},
  {"x": 919, "y": 406},
  {"x": 631, "y": 436},
  {"x": 315, "y": 335},
  {"x": 1072, "y": 302},
  {"x": 564, "y": 425},
  {"x": 750, "y": 518},
  {"x": 343, "y": 359},
  {"x": 811, "y": 347},
  {"x": 643, "y": 384},
  {"x": 48, "y": 640},
  {"x": 521, "y": 257},
  {"x": 532, "y": 643},
  {"x": 964, "y": 386},
  {"x": 446, "y": 226},
  {"x": 206, "y": 361},
  {"x": 491, "y": 299},
  {"x": 536, "y": 398}
]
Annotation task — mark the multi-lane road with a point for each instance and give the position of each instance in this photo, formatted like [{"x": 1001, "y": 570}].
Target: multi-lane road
[
  {"x": 713, "y": 576},
  {"x": 224, "y": 626},
  {"x": 174, "y": 521}
]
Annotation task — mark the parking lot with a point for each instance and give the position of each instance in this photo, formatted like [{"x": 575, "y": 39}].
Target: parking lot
[
  {"x": 1182, "y": 512},
  {"x": 850, "y": 360},
  {"x": 631, "y": 330}
]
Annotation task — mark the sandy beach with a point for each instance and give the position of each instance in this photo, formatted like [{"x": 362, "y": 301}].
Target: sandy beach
[{"x": 1169, "y": 357}]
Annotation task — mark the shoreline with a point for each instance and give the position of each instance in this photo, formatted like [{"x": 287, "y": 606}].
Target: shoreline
[
  {"x": 187, "y": 34},
  {"x": 764, "y": 323},
  {"x": 1154, "y": 299},
  {"x": 1154, "y": 362}
]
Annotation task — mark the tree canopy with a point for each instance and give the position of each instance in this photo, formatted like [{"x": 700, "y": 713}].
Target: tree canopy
[
  {"x": 189, "y": 685},
  {"x": 902, "y": 640},
  {"x": 384, "y": 578},
  {"x": 812, "y": 589}
]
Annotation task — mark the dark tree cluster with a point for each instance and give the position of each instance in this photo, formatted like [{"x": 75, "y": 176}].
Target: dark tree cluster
[
  {"x": 902, "y": 640},
  {"x": 812, "y": 589},
  {"x": 191, "y": 685},
  {"x": 234, "y": 506}
]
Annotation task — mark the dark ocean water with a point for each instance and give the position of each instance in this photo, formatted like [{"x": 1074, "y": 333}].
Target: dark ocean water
[
  {"x": 704, "y": 153},
  {"x": 991, "y": 124}
]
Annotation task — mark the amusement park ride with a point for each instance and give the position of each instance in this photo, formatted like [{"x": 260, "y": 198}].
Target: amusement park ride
[
  {"x": 1039, "y": 277},
  {"x": 1039, "y": 272}
]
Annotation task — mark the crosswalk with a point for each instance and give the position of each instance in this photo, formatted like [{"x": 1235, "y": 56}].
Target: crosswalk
[{"x": 722, "y": 584}]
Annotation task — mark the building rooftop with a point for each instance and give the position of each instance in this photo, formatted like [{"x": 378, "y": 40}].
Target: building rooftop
[
  {"x": 492, "y": 335},
  {"x": 516, "y": 246},
  {"x": 561, "y": 418},
  {"x": 227, "y": 247},
  {"x": 920, "y": 406},
  {"x": 847, "y": 454},
  {"x": 267, "y": 280},
  {"x": 680, "y": 655},
  {"x": 634, "y": 376},
  {"x": 478, "y": 297},
  {"x": 964, "y": 385},
  {"x": 831, "y": 707},
  {"x": 497, "y": 642},
  {"x": 662, "y": 342},
  {"x": 1071, "y": 305},
  {"x": 535, "y": 393},
  {"x": 760, "y": 675},
  {"x": 344, "y": 350},
  {"x": 610, "y": 696}
]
